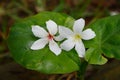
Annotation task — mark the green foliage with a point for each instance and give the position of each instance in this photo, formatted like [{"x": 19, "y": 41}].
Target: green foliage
[
  {"x": 106, "y": 42},
  {"x": 21, "y": 38}
]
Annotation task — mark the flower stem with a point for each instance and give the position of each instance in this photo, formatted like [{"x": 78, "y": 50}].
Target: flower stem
[{"x": 82, "y": 70}]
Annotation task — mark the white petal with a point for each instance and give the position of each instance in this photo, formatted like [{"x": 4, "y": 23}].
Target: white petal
[
  {"x": 79, "y": 47},
  {"x": 67, "y": 44},
  {"x": 65, "y": 32},
  {"x": 52, "y": 27},
  {"x": 39, "y": 31},
  {"x": 88, "y": 34},
  {"x": 79, "y": 25},
  {"x": 39, "y": 44},
  {"x": 54, "y": 47},
  {"x": 59, "y": 38}
]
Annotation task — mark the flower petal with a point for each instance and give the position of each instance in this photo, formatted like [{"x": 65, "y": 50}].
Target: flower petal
[
  {"x": 88, "y": 34},
  {"x": 52, "y": 27},
  {"x": 79, "y": 47},
  {"x": 54, "y": 47},
  {"x": 39, "y": 31},
  {"x": 79, "y": 25},
  {"x": 65, "y": 32},
  {"x": 59, "y": 38},
  {"x": 67, "y": 44},
  {"x": 39, "y": 44}
]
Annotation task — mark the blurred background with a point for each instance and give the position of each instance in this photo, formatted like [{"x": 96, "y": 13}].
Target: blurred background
[{"x": 90, "y": 10}]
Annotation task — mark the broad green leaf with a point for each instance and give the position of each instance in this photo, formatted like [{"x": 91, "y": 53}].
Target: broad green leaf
[
  {"x": 106, "y": 42},
  {"x": 21, "y": 38}
]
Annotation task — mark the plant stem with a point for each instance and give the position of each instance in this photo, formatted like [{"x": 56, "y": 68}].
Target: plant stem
[{"x": 82, "y": 70}]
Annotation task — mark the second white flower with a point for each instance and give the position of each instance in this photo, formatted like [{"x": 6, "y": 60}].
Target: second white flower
[{"x": 74, "y": 39}]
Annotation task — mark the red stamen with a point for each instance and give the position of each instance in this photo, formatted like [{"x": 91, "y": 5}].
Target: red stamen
[{"x": 50, "y": 37}]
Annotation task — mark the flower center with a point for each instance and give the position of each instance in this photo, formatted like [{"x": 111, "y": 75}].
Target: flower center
[
  {"x": 77, "y": 37},
  {"x": 50, "y": 37}
]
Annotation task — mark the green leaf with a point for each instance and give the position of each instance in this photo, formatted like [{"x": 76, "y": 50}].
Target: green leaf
[
  {"x": 106, "y": 42},
  {"x": 21, "y": 38},
  {"x": 93, "y": 56}
]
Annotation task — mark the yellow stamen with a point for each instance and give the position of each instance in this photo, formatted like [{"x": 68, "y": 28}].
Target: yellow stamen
[{"x": 77, "y": 37}]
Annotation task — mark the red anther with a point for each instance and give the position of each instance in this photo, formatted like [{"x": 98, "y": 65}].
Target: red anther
[{"x": 50, "y": 37}]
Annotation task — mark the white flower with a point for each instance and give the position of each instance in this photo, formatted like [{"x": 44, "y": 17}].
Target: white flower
[
  {"x": 46, "y": 37},
  {"x": 74, "y": 39},
  {"x": 112, "y": 13}
]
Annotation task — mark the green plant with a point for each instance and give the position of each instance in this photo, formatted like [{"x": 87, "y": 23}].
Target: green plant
[{"x": 106, "y": 42}]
